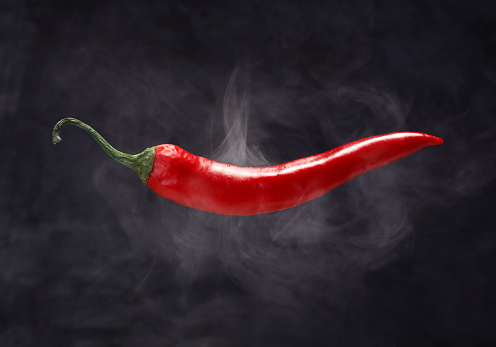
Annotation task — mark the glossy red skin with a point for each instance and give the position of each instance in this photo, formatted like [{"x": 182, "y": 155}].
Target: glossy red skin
[{"x": 220, "y": 188}]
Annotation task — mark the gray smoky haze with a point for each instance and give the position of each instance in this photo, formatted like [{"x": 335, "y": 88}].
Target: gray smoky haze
[{"x": 402, "y": 255}]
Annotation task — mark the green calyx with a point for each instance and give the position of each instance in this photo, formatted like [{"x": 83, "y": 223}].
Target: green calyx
[{"x": 142, "y": 162}]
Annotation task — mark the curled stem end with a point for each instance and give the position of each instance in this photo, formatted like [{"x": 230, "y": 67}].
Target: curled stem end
[
  {"x": 142, "y": 162},
  {"x": 56, "y": 139}
]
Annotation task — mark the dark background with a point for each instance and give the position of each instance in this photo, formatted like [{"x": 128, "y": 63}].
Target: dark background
[{"x": 401, "y": 256}]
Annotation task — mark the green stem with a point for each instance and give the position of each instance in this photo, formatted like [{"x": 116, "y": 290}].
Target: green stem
[{"x": 142, "y": 162}]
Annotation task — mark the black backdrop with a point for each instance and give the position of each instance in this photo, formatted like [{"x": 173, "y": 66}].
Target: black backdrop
[{"x": 403, "y": 255}]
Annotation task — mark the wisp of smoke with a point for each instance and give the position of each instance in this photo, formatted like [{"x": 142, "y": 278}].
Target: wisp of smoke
[
  {"x": 276, "y": 255},
  {"x": 314, "y": 255}
]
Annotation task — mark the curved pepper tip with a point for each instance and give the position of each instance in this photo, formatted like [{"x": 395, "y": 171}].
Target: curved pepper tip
[
  {"x": 430, "y": 140},
  {"x": 437, "y": 140}
]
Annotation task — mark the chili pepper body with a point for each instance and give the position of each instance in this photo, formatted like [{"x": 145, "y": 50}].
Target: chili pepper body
[
  {"x": 203, "y": 184},
  {"x": 206, "y": 185}
]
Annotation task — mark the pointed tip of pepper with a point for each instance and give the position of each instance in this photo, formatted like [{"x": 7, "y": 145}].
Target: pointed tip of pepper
[
  {"x": 436, "y": 140},
  {"x": 427, "y": 139}
]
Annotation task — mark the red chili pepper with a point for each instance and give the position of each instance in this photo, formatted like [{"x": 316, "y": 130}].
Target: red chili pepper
[{"x": 201, "y": 183}]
